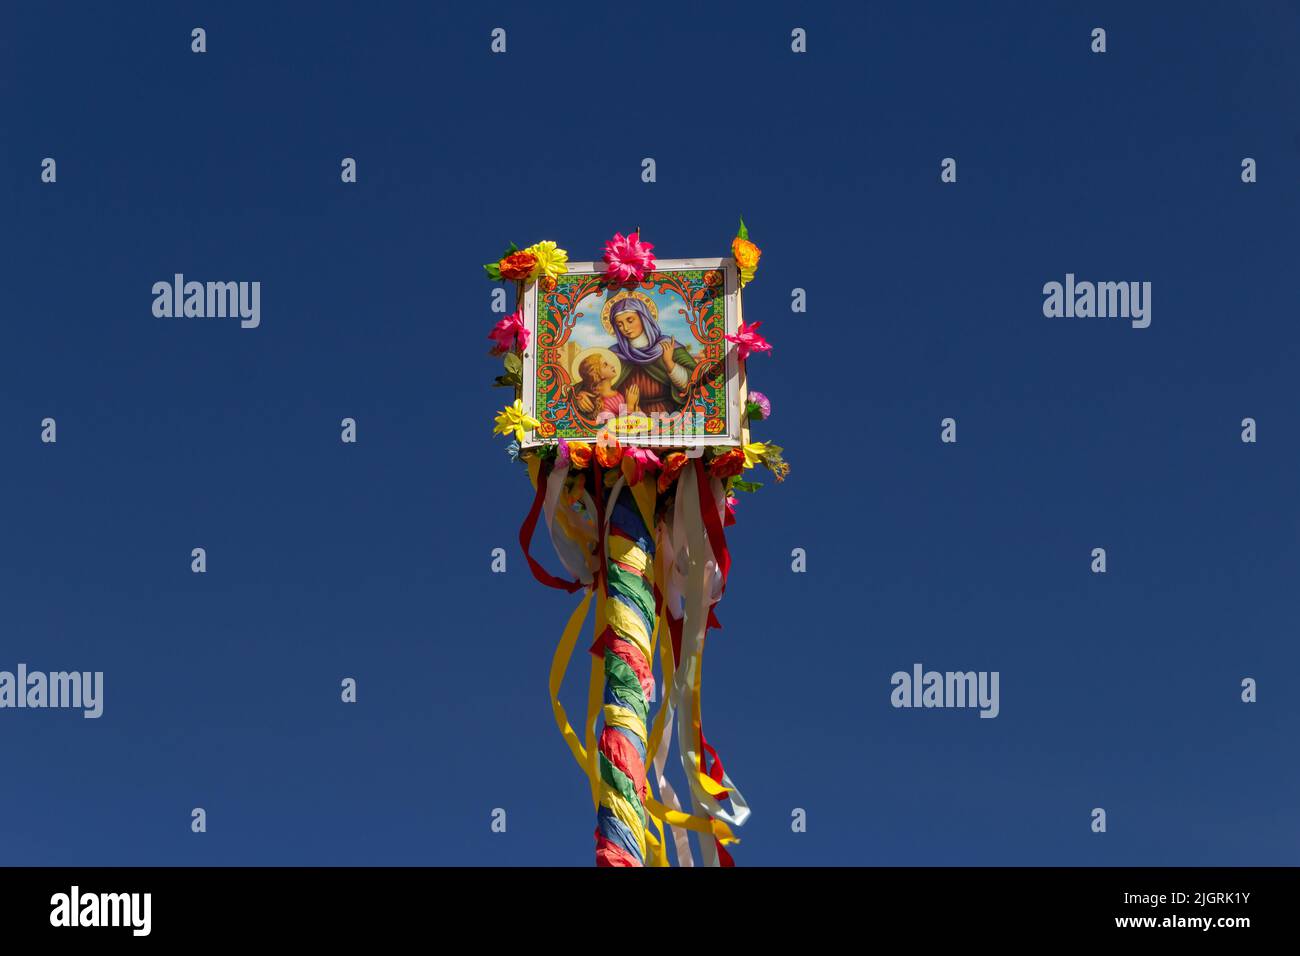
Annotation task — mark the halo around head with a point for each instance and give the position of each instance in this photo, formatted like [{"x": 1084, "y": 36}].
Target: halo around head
[
  {"x": 607, "y": 312},
  {"x": 597, "y": 350}
]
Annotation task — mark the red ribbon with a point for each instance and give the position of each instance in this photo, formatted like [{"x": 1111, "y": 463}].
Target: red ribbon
[
  {"x": 527, "y": 529},
  {"x": 712, "y": 524},
  {"x": 724, "y": 858}
]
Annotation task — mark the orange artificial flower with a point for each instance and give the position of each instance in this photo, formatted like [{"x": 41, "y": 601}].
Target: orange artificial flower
[
  {"x": 745, "y": 253},
  {"x": 579, "y": 454},
  {"x": 517, "y": 265},
  {"x": 673, "y": 464},
  {"x": 609, "y": 452}
]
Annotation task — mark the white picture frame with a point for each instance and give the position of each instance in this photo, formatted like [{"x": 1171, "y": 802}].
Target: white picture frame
[{"x": 706, "y": 411}]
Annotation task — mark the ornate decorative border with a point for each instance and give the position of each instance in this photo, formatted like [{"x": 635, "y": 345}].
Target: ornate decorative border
[{"x": 710, "y": 289}]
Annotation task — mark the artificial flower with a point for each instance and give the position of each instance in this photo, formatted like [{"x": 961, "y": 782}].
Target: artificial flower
[
  {"x": 639, "y": 462},
  {"x": 579, "y": 454},
  {"x": 758, "y": 402},
  {"x": 552, "y": 261},
  {"x": 608, "y": 451},
  {"x": 673, "y": 463},
  {"x": 746, "y": 254},
  {"x": 517, "y": 265},
  {"x": 748, "y": 340},
  {"x": 768, "y": 455},
  {"x": 757, "y": 451},
  {"x": 628, "y": 258},
  {"x": 509, "y": 332},
  {"x": 562, "y": 454},
  {"x": 730, "y": 518},
  {"x": 513, "y": 418},
  {"x": 729, "y": 463}
]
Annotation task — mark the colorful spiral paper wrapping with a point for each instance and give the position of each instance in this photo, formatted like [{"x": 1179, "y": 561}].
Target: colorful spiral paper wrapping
[{"x": 629, "y": 685}]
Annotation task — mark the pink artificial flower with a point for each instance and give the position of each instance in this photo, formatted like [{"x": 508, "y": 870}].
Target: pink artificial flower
[
  {"x": 562, "y": 454},
  {"x": 638, "y": 462},
  {"x": 509, "y": 332},
  {"x": 748, "y": 340},
  {"x": 629, "y": 258},
  {"x": 730, "y": 517}
]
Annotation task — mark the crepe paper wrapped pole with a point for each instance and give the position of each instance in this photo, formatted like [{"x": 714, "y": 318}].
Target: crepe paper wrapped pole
[{"x": 624, "y": 646}]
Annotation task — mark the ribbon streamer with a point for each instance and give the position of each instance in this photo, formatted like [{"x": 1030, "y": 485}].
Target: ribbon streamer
[{"x": 652, "y": 593}]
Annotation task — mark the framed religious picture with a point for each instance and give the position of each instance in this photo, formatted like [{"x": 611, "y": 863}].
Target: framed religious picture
[{"x": 645, "y": 362}]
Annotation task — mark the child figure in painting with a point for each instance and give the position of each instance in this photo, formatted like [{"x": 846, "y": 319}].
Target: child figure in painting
[{"x": 597, "y": 390}]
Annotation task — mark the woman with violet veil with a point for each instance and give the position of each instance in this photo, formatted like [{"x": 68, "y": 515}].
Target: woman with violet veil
[{"x": 655, "y": 363}]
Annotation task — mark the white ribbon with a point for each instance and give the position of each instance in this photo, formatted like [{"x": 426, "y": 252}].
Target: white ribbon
[
  {"x": 575, "y": 555},
  {"x": 693, "y": 567}
]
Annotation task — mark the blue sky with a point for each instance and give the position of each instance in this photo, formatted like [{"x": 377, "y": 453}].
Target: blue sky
[{"x": 373, "y": 560}]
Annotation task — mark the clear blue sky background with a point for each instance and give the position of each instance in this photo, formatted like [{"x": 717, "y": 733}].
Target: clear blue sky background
[{"x": 924, "y": 301}]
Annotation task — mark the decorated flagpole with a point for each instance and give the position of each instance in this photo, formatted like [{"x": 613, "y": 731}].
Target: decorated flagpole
[{"x": 609, "y": 549}]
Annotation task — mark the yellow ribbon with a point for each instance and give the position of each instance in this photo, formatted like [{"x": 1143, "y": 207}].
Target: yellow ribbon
[{"x": 559, "y": 664}]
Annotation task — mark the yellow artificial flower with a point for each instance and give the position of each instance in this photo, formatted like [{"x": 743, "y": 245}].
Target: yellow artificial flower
[
  {"x": 552, "y": 261},
  {"x": 756, "y": 451},
  {"x": 513, "y": 418}
]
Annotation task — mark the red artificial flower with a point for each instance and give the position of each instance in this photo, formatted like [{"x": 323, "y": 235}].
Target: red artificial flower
[
  {"x": 509, "y": 332},
  {"x": 639, "y": 462},
  {"x": 628, "y": 258},
  {"x": 748, "y": 340},
  {"x": 729, "y": 463}
]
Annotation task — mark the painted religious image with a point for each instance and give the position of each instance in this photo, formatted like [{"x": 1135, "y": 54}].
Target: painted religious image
[{"x": 646, "y": 361}]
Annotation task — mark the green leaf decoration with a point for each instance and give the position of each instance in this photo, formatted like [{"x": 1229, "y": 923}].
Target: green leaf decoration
[
  {"x": 512, "y": 248},
  {"x": 753, "y": 411},
  {"x": 513, "y": 363},
  {"x": 493, "y": 270},
  {"x": 744, "y": 233},
  {"x": 747, "y": 485},
  {"x": 510, "y": 380}
]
